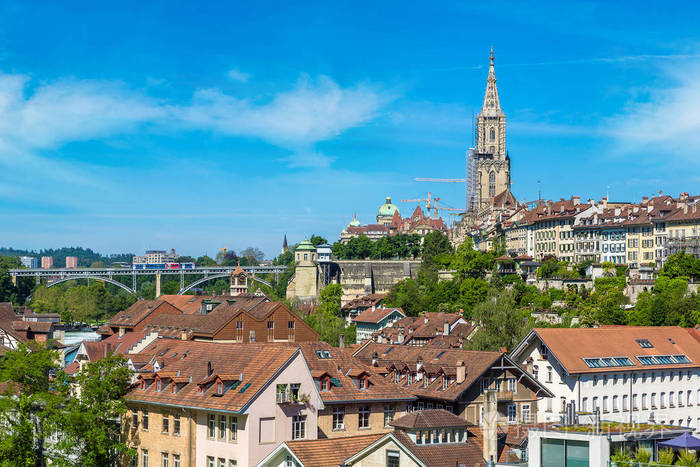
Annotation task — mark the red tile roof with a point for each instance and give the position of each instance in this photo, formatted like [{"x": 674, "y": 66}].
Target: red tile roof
[
  {"x": 571, "y": 345},
  {"x": 255, "y": 363},
  {"x": 377, "y": 315},
  {"x": 330, "y": 452},
  {"x": 342, "y": 367},
  {"x": 428, "y": 419}
]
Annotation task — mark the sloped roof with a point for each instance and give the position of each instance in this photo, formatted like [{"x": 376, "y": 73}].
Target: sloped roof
[
  {"x": 366, "y": 301},
  {"x": 571, "y": 345},
  {"x": 188, "y": 304},
  {"x": 256, "y": 363},
  {"x": 330, "y": 452},
  {"x": 444, "y": 454},
  {"x": 428, "y": 419},
  {"x": 137, "y": 312},
  {"x": 377, "y": 315},
  {"x": 401, "y": 356},
  {"x": 341, "y": 366}
]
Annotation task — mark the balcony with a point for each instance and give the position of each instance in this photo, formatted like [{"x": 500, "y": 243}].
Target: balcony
[{"x": 505, "y": 396}]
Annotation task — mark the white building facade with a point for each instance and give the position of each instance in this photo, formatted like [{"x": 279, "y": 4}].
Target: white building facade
[{"x": 657, "y": 381}]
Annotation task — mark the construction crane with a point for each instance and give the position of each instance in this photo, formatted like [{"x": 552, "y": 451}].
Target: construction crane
[
  {"x": 441, "y": 180},
  {"x": 430, "y": 201}
]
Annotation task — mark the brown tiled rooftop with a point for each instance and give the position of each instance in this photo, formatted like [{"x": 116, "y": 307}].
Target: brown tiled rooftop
[
  {"x": 330, "y": 452},
  {"x": 572, "y": 345},
  {"x": 255, "y": 363},
  {"x": 376, "y": 315},
  {"x": 427, "y": 419}
]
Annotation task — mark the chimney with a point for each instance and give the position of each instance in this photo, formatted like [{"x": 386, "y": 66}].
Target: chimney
[
  {"x": 374, "y": 306},
  {"x": 425, "y": 319},
  {"x": 645, "y": 199},
  {"x": 400, "y": 337},
  {"x": 108, "y": 349},
  {"x": 605, "y": 201},
  {"x": 618, "y": 211},
  {"x": 374, "y": 359},
  {"x": 380, "y": 338},
  {"x": 209, "y": 369},
  {"x": 576, "y": 200},
  {"x": 446, "y": 328},
  {"x": 561, "y": 208},
  {"x": 341, "y": 341},
  {"x": 490, "y": 426},
  {"x": 461, "y": 372},
  {"x": 685, "y": 208}
]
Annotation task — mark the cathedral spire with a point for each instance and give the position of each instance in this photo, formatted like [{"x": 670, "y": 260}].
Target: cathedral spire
[{"x": 492, "y": 106}]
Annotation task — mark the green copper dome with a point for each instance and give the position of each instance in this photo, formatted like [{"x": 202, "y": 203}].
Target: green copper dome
[
  {"x": 305, "y": 246},
  {"x": 387, "y": 209},
  {"x": 354, "y": 222}
]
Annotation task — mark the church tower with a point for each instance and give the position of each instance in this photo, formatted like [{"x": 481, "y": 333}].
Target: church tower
[{"x": 493, "y": 162}]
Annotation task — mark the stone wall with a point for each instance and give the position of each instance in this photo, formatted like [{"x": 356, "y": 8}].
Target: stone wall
[{"x": 360, "y": 278}]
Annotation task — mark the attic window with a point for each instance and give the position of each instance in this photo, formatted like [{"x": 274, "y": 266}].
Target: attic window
[
  {"x": 644, "y": 343},
  {"x": 671, "y": 341},
  {"x": 323, "y": 354},
  {"x": 444, "y": 383},
  {"x": 143, "y": 384},
  {"x": 159, "y": 385},
  {"x": 440, "y": 354},
  {"x": 219, "y": 387},
  {"x": 363, "y": 383}
]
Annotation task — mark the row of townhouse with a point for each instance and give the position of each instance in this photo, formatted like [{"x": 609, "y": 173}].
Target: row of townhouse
[
  {"x": 223, "y": 404},
  {"x": 623, "y": 233},
  {"x": 630, "y": 374}
]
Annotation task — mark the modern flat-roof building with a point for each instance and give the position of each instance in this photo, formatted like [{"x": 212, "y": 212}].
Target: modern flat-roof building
[
  {"x": 71, "y": 262},
  {"x": 46, "y": 262},
  {"x": 631, "y": 373},
  {"x": 30, "y": 262}
]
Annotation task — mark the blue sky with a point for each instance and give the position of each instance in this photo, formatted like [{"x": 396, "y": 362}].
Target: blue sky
[{"x": 135, "y": 125}]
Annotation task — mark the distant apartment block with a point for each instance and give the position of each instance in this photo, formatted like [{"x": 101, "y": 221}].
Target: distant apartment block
[
  {"x": 46, "y": 262},
  {"x": 71, "y": 262},
  {"x": 157, "y": 257},
  {"x": 29, "y": 262}
]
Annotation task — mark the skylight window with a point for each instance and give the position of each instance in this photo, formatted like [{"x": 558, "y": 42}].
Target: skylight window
[
  {"x": 606, "y": 362},
  {"x": 326, "y": 354},
  {"x": 644, "y": 343},
  {"x": 323, "y": 354},
  {"x": 663, "y": 360},
  {"x": 440, "y": 354}
]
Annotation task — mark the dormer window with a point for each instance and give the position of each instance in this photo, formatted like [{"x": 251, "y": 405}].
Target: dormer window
[
  {"x": 397, "y": 377},
  {"x": 219, "y": 387},
  {"x": 363, "y": 383},
  {"x": 143, "y": 384},
  {"x": 426, "y": 381},
  {"x": 159, "y": 385},
  {"x": 444, "y": 383},
  {"x": 326, "y": 384},
  {"x": 173, "y": 388}
]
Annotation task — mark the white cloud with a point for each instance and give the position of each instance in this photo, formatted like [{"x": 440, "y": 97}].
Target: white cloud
[
  {"x": 52, "y": 114},
  {"x": 238, "y": 75},
  {"x": 664, "y": 121},
  {"x": 311, "y": 112}
]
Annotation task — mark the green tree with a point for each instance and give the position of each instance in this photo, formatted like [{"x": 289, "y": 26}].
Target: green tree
[
  {"x": 205, "y": 261},
  {"x": 29, "y": 405},
  {"x": 681, "y": 265},
  {"x": 436, "y": 247},
  {"x": 501, "y": 323},
  {"x": 90, "y": 425},
  {"x": 317, "y": 240},
  {"x": 469, "y": 262},
  {"x": 327, "y": 320}
]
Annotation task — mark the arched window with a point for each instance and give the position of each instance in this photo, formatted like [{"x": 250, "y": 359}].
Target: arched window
[
  {"x": 492, "y": 184},
  {"x": 492, "y": 150},
  {"x": 492, "y": 135}
]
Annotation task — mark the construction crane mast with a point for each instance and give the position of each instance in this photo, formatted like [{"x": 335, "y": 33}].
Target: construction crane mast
[{"x": 470, "y": 182}]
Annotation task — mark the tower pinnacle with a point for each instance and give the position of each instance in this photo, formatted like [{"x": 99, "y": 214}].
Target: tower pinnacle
[{"x": 492, "y": 106}]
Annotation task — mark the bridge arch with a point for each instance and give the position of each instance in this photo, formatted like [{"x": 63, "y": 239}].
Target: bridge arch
[
  {"x": 89, "y": 276},
  {"x": 217, "y": 276}
]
